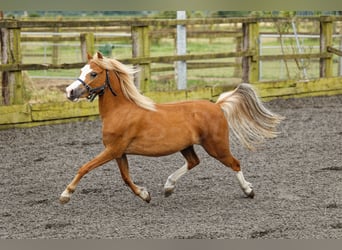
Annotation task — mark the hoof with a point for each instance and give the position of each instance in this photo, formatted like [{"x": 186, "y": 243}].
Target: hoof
[
  {"x": 169, "y": 187},
  {"x": 148, "y": 199},
  {"x": 64, "y": 199},
  {"x": 168, "y": 191},
  {"x": 251, "y": 194},
  {"x": 145, "y": 195}
]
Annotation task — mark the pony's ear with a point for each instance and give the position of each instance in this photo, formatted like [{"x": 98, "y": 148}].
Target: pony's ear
[
  {"x": 99, "y": 55},
  {"x": 89, "y": 56}
]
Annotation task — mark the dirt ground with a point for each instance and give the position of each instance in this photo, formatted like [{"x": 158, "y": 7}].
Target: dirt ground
[{"x": 297, "y": 180}]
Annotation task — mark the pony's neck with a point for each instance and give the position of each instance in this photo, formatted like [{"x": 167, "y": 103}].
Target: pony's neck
[
  {"x": 108, "y": 102},
  {"x": 126, "y": 96}
]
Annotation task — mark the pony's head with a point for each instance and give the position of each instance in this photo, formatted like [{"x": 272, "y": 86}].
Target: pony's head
[
  {"x": 102, "y": 73},
  {"x": 92, "y": 81}
]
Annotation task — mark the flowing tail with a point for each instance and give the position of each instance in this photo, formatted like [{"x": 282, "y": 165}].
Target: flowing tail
[{"x": 247, "y": 117}]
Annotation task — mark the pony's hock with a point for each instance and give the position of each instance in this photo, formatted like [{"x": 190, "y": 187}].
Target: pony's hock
[{"x": 134, "y": 124}]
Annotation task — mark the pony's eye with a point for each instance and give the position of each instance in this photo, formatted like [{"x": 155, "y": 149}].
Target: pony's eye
[{"x": 93, "y": 74}]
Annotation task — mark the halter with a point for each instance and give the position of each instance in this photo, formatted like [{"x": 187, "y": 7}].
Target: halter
[{"x": 99, "y": 91}]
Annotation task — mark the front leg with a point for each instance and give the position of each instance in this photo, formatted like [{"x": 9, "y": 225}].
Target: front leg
[
  {"x": 104, "y": 157},
  {"x": 139, "y": 191}
]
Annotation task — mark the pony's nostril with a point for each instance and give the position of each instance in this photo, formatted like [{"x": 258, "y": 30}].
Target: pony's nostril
[{"x": 70, "y": 94}]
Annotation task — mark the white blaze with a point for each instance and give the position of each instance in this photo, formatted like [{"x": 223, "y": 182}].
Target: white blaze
[{"x": 84, "y": 72}]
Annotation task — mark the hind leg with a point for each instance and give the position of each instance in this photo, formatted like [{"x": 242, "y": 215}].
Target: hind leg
[
  {"x": 191, "y": 161},
  {"x": 245, "y": 185},
  {"x": 224, "y": 155},
  {"x": 232, "y": 162}
]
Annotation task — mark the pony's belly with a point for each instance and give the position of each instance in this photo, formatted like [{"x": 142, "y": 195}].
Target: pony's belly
[
  {"x": 159, "y": 146},
  {"x": 154, "y": 153}
]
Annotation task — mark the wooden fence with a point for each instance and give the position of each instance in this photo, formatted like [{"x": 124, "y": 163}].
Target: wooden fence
[{"x": 11, "y": 66}]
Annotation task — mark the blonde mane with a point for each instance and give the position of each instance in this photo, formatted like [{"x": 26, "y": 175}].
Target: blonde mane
[{"x": 125, "y": 75}]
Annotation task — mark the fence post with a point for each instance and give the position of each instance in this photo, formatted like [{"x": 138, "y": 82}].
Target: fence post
[
  {"x": 4, "y": 75},
  {"x": 238, "y": 48},
  {"x": 141, "y": 48},
  {"x": 250, "y": 64},
  {"x": 12, "y": 81},
  {"x": 87, "y": 45},
  {"x": 326, "y": 32},
  {"x": 340, "y": 60},
  {"x": 55, "y": 47},
  {"x": 181, "y": 67}
]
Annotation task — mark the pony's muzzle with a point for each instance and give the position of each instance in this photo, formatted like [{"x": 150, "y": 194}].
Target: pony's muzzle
[
  {"x": 70, "y": 94},
  {"x": 73, "y": 94}
]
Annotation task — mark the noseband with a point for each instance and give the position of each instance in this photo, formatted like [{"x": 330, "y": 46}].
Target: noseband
[{"x": 99, "y": 91}]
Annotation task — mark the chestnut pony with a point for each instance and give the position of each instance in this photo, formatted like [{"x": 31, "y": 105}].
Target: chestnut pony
[{"x": 134, "y": 124}]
